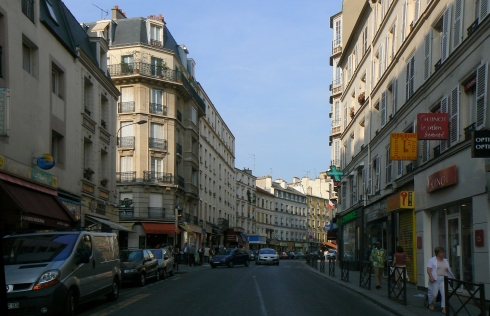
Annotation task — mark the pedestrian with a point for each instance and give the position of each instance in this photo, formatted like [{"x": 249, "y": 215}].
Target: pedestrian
[
  {"x": 400, "y": 261},
  {"x": 206, "y": 253},
  {"x": 437, "y": 268},
  {"x": 191, "y": 256},
  {"x": 176, "y": 255},
  {"x": 186, "y": 253},
  {"x": 201, "y": 255},
  {"x": 378, "y": 258}
]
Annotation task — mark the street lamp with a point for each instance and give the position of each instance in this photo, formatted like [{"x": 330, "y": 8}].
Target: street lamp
[
  {"x": 178, "y": 208},
  {"x": 139, "y": 123}
]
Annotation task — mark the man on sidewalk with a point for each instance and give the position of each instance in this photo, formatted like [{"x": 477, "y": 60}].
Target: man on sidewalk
[
  {"x": 186, "y": 253},
  {"x": 378, "y": 258}
]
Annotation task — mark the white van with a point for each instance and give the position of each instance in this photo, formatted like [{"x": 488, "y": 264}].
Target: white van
[{"x": 51, "y": 273}]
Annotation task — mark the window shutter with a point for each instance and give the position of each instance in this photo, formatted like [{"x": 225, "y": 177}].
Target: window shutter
[
  {"x": 394, "y": 92},
  {"x": 427, "y": 45},
  {"x": 445, "y": 35},
  {"x": 378, "y": 174},
  {"x": 444, "y": 109},
  {"x": 483, "y": 10},
  {"x": 425, "y": 151},
  {"x": 370, "y": 179},
  {"x": 407, "y": 82},
  {"x": 404, "y": 20},
  {"x": 417, "y": 11},
  {"x": 380, "y": 61},
  {"x": 156, "y": 200},
  {"x": 453, "y": 120},
  {"x": 383, "y": 109},
  {"x": 412, "y": 75},
  {"x": 399, "y": 168},
  {"x": 363, "y": 181},
  {"x": 481, "y": 75},
  {"x": 458, "y": 24},
  {"x": 388, "y": 166},
  {"x": 386, "y": 52}
]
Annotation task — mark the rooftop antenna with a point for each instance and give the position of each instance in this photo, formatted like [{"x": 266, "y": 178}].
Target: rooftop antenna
[
  {"x": 101, "y": 11},
  {"x": 307, "y": 173}
]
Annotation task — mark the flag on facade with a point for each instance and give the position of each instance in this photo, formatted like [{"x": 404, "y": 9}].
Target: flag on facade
[{"x": 330, "y": 204}]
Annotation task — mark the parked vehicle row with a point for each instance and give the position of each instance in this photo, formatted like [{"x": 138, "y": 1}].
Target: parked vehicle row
[{"x": 138, "y": 265}]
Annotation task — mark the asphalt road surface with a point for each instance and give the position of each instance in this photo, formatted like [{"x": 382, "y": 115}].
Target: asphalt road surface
[{"x": 287, "y": 289}]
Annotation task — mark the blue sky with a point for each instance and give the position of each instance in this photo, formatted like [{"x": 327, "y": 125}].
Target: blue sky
[{"x": 265, "y": 66}]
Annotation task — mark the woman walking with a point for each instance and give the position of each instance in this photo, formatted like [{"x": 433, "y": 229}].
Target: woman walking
[{"x": 437, "y": 268}]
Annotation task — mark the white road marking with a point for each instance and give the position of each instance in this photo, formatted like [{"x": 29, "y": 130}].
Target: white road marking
[{"x": 263, "y": 312}]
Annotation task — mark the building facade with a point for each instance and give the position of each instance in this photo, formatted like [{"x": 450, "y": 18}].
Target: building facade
[
  {"x": 246, "y": 215},
  {"x": 56, "y": 166},
  {"x": 265, "y": 215},
  {"x": 401, "y": 59}
]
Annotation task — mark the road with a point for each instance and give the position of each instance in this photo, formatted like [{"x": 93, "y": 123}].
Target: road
[{"x": 287, "y": 289}]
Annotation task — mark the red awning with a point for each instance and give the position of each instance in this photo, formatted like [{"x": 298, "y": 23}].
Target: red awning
[
  {"x": 160, "y": 228},
  {"x": 38, "y": 207},
  {"x": 330, "y": 245}
]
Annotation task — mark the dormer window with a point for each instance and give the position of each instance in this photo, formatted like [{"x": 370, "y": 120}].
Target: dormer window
[
  {"x": 156, "y": 35},
  {"x": 51, "y": 11}
]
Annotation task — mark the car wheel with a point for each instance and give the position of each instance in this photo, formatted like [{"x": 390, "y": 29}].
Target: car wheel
[
  {"x": 171, "y": 273},
  {"x": 164, "y": 274},
  {"x": 114, "y": 290},
  {"x": 277, "y": 263},
  {"x": 257, "y": 263},
  {"x": 213, "y": 266},
  {"x": 230, "y": 264},
  {"x": 157, "y": 275},
  {"x": 70, "y": 301},
  {"x": 142, "y": 280},
  {"x": 246, "y": 263}
]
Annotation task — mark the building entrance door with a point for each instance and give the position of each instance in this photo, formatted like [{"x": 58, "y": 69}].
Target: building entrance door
[{"x": 453, "y": 252}]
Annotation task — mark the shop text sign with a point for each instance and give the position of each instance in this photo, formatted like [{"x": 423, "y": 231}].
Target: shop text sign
[
  {"x": 348, "y": 217},
  {"x": 401, "y": 201},
  {"x": 403, "y": 146},
  {"x": 442, "y": 179},
  {"x": 480, "y": 144},
  {"x": 433, "y": 126}
]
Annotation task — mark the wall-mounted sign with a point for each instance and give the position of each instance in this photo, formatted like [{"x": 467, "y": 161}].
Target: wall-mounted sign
[
  {"x": 401, "y": 201},
  {"x": 336, "y": 175},
  {"x": 349, "y": 217},
  {"x": 479, "y": 240},
  {"x": 433, "y": 126},
  {"x": 442, "y": 178},
  {"x": 403, "y": 146},
  {"x": 480, "y": 144},
  {"x": 419, "y": 242},
  {"x": 45, "y": 161}
]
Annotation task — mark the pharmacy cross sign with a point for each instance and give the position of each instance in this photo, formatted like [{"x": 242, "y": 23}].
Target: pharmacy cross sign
[{"x": 335, "y": 174}]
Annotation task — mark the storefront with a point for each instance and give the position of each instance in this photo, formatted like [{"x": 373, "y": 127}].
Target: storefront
[
  {"x": 256, "y": 242},
  {"x": 349, "y": 239},
  {"x": 233, "y": 239},
  {"x": 378, "y": 227}
]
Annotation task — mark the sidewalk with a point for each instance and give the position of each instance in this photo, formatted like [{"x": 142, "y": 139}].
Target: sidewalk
[
  {"x": 184, "y": 268},
  {"x": 415, "y": 298}
]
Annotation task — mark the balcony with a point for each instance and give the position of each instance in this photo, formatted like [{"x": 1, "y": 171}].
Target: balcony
[
  {"x": 154, "y": 71},
  {"x": 158, "y": 177},
  {"x": 126, "y": 107},
  {"x": 127, "y": 176},
  {"x": 336, "y": 47},
  {"x": 145, "y": 213},
  {"x": 337, "y": 86},
  {"x": 158, "y": 143},
  {"x": 126, "y": 142},
  {"x": 158, "y": 109}
]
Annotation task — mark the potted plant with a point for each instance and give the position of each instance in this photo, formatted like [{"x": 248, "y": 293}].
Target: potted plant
[
  {"x": 87, "y": 173},
  {"x": 103, "y": 124},
  {"x": 352, "y": 113},
  {"x": 104, "y": 182},
  {"x": 124, "y": 68},
  {"x": 361, "y": 98}
]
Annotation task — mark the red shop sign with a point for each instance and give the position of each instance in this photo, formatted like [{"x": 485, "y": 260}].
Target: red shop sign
[
  {"x": 442, "y": 178},
  {"x": 432, "y": 126}
]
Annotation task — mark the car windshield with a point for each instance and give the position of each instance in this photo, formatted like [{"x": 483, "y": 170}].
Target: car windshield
[
  {"x": 267, "y": 251},
  {"x": 131, "y": 256},
  {"x": 37, "y": 248},
  {"x": 224, "y": 252},
  {"x": 299, "y": 253},
  {"x": 331, "y": 251},
  {"x": 158, "y": 253}
]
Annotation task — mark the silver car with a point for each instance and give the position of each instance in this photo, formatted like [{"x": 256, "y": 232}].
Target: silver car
[
  {"x": 165, "y": 261},
  {"x": 267, "y": 256}
]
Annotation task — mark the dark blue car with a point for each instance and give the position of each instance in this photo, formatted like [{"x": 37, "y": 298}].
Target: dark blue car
[{"x": 230, "y": 258}]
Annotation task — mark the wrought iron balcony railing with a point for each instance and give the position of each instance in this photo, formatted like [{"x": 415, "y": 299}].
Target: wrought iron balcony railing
[
  {"x": 126, "y": 142},
  {"x": 126, "y": 107},
  {"x": 158, "y": 177},
  {"x": 158, "y": 109},
  {"x": 158, "y": 143},
  {"x": 126, "y": 176}
]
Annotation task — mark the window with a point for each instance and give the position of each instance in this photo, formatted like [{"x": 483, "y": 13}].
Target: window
[
  {"x": 1, "y": 61},
  {"x": 364, "y": 40},
  {"x": 481, "y": 99},
  {"x": 126, "y": 164},
  {"x": 28, "y": 9},
  {"x": 156, "y": 165},
  {"x": 194, "y": 116},
  {"x": 156, "y": 103},
  {"x": 52, "y": 14},
  {"x": 383, "y": 110},
  {"x": 393, "y": 91},
  {"x": 57, "y": 147},
  {"x": 427, "y": 53},
  {"x": 404, "y": 21},
  {"x": 338, "y": 32},
  {"x": 156, "y": 35},
  {"x": 458, "y": 23},
  {"x": 410, "y": 77},
  {"x": 57, "y": 81},
  {"x": 27, "y": 58}
]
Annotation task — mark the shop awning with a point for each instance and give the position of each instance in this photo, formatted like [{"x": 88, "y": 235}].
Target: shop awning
[
  {"x": 244, "y": 237},
  {"x": 38, "y": 207},
  {"x": 100, "y": 26},
  {"x": 159, "y": 228},
  {"x": 331, "y": 245},
  {"x": 109, "y": 223},
  {"x": 216, "y": 231},
  {"x": 187, "y": 229}
]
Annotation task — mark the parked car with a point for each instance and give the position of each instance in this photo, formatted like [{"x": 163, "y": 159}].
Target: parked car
[
  {"x": 252, "y": 255},
  {"x": 332, "y": 254},
  {"x": 283, "y": 255},
  {"x": 299, "y": 255},
  {"x": 267, "y": 256},
  {"x": 291, "y": 255},
  {"x": 165, "y": 261},
  {"x": 230, "y": 258},
  {"x": 138, "y": 265},
  {"x": 56, "y": 271}
]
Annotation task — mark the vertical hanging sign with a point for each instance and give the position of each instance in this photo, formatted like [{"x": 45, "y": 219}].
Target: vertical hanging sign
[
  {"x": 3, "y": 111},
  {"x": 403, "y": 146}
]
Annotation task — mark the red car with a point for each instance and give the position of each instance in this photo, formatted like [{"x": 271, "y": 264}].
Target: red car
[{"x": 283, "y": 255}]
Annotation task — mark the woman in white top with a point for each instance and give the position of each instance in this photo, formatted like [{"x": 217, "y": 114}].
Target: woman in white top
[{"x": 437, "y": 268}]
